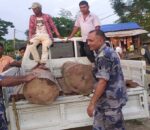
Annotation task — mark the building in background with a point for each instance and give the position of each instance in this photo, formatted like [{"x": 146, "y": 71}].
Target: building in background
[{"x": 125, "y": 35}]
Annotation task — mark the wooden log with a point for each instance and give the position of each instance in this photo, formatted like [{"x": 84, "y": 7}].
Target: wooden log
[
  {"x": 65, "y": 89},
  {"x": 42, "y": 90},
  {"x": 78, "y": 78},
  {"x": 131, "y": 84}
]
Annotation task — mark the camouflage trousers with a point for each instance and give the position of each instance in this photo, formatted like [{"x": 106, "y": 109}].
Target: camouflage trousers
[
  {"x": 3, "y": 122},
  {"x": 109, "y": 119}
]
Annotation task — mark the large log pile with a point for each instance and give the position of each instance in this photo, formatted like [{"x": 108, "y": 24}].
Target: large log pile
[
  {"x": 42, "y": 90},
  {"x": 77, "y": 78}
]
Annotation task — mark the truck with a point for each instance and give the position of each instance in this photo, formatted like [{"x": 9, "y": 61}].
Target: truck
[{"x": 69, "y": 111}]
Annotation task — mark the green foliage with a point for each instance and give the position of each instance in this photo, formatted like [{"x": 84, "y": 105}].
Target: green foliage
[
  {"x": 8, "y": 45},
  {"x": 65, "y": 13},
  {"x": 133, "y": 11},
  {"x": 64, "y": 25},
  {"x": 27, "y": 33},
  {"x": 4, "y": 28}
]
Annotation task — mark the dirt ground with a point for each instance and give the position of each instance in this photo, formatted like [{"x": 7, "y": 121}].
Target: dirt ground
[{"x": 143, "y": 124}]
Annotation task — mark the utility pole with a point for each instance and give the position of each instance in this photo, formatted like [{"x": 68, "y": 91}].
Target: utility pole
[{"x": 14, "y": 38}]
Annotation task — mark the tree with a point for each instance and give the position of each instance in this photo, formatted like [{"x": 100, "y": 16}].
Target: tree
[
  {"x": 65, "y": 13},
  {"x": 9, "y": 46},
  {"x": 64, "y": 25},
  {"x": 119, "y": 7},
  {"x": 4, "y": 28},
  {"x": 27, "y": 33},
  {"x": 133, "y": 10}
]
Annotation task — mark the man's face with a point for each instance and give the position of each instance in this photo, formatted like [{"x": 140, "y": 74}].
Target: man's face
[
  {"x": 21, "y": 53},
  {"x": 84, "y": 9},
  {"x": 94, "y": 41},
  {"x": 1, "y": 51},
  {"x": 37, "y": 11}
]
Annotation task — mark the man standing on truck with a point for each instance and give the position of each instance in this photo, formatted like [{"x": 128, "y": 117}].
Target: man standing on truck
[
  {"x": 10, "y": 81},
  {"x": 110, "y": 92},
  {"x": 40, "y": 31},
  {"x": 87, "y": 22}
]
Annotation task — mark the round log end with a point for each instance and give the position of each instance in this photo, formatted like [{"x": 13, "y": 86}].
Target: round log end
[
  {"x": 41, "y": 91},
  {"x": 78, "y": 77}
]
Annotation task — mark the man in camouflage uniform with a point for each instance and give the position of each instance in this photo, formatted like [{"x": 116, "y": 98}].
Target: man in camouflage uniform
[
  {"x": 3, "y": 123},
  {"x": 110, "y": 93},
  {"x": 10, "y": 81}
]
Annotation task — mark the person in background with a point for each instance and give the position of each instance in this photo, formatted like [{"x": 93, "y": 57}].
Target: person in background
[
  {"x": 110, "y": 93},
  {"x": 119, "y": 51},
  {"x": 10, "y": 81},
  {"x": 18, "y": 61},
  {"x": 20, "y": 53},
  {"x": 4, "y": 59},
  {"x": 41, "y": 26},
  {"x": 87, "y": 22}
]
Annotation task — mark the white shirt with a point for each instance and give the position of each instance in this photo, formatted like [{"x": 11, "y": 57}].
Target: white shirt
[
  {"x": 40, "y": 27},
  {"x": 119, "y": 51},
  {"x": 87, "y": 24}
]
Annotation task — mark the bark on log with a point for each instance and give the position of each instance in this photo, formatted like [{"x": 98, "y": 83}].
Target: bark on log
[
  {"x": 42, "y": 90},
  {"x": 131, "y": 84},
  {"x": 78, "y": 78}
]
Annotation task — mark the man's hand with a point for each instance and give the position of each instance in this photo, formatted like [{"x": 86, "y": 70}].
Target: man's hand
[
  {"x": 7, "y": 67},
  {"x": 90, "y": 109},
  {"x": 60, "y": 37},
  {"x": 30, "y": 77},
  {"x": 68, "y": 38},
  {"x": 100, "y": 88}
]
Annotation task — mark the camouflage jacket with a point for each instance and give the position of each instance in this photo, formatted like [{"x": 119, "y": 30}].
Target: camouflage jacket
[{"x": 108, "y": 67}]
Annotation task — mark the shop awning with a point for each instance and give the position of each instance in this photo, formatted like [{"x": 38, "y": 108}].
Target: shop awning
[
  {"x": 126, "y": 33},
  {"x": 122, "y": 29}
]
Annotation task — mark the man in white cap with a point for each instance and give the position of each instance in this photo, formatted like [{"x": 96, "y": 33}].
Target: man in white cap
[{"x": 40, "y": 31}]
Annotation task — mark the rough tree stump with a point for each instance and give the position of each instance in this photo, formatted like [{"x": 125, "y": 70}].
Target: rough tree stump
[
  {"x": 78, "y": 78},
  {"x": 42, "y": 90}
]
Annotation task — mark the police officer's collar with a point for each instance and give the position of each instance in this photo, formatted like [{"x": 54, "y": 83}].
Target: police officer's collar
[{"x": 100, "y": 49}]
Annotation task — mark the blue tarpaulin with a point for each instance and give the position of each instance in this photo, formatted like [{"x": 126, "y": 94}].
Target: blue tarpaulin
[{"x": 120, "y": 27}]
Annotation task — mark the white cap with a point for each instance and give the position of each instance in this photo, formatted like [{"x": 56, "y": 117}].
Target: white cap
[{"x": 35, "y": 5}]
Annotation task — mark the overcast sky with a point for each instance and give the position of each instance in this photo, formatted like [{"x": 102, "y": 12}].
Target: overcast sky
[{"x": 17, "y": 11}]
